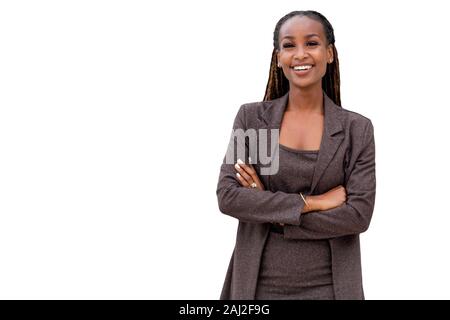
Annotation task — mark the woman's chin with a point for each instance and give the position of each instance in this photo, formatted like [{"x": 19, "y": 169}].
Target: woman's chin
[{"x": 304, "y": 83}]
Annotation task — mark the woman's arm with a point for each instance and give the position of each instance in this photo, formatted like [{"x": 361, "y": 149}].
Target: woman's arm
[
  {"x": 254, "y": 205},
  {"x": 354, "y": 215},
  {"x": 331, "y": 199}
]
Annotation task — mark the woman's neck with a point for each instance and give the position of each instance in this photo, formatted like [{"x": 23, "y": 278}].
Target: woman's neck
[{"x": 306, "y": 100}]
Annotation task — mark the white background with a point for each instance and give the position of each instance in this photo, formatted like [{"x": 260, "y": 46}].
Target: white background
[{"x": 115, "y": 117}]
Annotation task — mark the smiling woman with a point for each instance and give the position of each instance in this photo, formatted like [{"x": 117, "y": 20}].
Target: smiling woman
[
  {"x": 298, "y": 234},
  {"x": 305, "y": 34}
]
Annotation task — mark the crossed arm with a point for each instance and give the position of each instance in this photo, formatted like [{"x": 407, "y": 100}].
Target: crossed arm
[
  {"x": 354, "y": 215},
  {"x": 262, "y": 206}
]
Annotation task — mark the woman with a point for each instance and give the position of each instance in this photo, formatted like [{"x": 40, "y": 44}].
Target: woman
[{"x": 299, "y": 220}]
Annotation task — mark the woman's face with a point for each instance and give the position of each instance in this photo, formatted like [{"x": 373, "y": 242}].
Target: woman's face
[{"x": 302, "y": 42}]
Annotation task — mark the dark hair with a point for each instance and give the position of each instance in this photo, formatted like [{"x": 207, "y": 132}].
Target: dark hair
[{"x": 278, "y": 84}]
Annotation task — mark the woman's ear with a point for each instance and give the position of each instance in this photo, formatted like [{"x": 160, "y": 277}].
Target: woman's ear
[{"x": 330, "y": 56}]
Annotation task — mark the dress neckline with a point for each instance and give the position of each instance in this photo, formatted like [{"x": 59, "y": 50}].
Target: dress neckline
[{"x": 297, "y": 150}]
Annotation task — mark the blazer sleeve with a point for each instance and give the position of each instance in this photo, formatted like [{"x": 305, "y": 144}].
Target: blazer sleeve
[
  {"x": 254, "y": 205},
  {"x": 352, "y": 217}
]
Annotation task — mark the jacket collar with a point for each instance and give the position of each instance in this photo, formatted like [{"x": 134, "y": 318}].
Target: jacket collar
[
  {"x": 274, "y": 111},
  {"x": 272, "y": 115}
]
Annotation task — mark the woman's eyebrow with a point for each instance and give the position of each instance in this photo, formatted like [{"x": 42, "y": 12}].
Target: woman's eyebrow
[{"x": 307, "y": 36}]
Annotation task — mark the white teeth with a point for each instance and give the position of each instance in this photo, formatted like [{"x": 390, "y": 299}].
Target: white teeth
[{"x": 303, "y": 67}]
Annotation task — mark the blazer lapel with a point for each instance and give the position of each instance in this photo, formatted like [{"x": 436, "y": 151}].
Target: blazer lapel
[
  {"x": 272, "y": 116},
  {"x": 331, "y": 140}
]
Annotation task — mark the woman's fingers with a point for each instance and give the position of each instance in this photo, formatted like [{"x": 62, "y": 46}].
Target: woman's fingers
[
  {"x": 250, "y": 171},
  {"x": 247, "y": 175},
  {"x": 242, "y": 169},
  {"x": 242, "y": 180}
]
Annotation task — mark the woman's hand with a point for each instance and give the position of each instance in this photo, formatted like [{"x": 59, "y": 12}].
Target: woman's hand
[
  {"x": 247, "y": 176},
  {"x": 331, "y": 199}
]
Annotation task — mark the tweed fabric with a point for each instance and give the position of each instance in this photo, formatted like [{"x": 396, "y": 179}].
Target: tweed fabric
[{"x": 346, "y": 157}]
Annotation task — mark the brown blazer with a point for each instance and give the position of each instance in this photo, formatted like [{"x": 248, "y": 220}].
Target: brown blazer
[{"x": 346, "y": 157}]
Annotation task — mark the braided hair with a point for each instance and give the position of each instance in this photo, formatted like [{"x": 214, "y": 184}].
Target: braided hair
[{"x": 278, "y": 84}]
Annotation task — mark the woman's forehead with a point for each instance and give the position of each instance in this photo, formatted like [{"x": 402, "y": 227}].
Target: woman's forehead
[{"x": 301, "y": 27}]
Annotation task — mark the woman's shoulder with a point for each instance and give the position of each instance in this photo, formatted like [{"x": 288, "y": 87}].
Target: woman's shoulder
[
  {"x": 357, "y": 125},
  {"x": 352, "y": 115},
  {"x": 263, "y": 109},
  {"x": 352, "y": 118},
  {"x": 250, "y": 112},
  {"x": 255, "y": 107}
]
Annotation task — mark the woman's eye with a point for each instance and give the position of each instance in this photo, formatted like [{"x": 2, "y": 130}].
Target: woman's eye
[{"x": 310, "y": 43}]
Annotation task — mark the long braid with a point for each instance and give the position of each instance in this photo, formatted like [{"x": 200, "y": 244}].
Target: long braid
[{"x": 278, "y": 84}]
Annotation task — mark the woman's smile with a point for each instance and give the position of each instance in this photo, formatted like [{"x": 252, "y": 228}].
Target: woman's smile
[{"x": 302, "y": 71}]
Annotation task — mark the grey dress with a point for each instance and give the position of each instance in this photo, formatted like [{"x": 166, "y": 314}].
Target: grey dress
[{"x": 291, "y": 268}]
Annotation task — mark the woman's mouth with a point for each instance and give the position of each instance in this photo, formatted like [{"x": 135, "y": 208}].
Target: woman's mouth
[{"x": 302, "y": 70}]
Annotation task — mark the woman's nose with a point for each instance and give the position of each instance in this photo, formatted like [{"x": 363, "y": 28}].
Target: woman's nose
[{"x": 301, "y": 53}]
